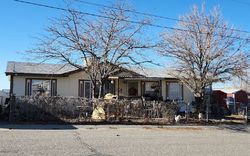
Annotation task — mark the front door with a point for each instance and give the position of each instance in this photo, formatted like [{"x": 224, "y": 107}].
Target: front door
[{"x": 133, "y": 88}]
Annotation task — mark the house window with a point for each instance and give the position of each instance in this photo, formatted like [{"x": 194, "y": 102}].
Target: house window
[
  {"x": 53, "y": 87},
  {"x": 132, "y": 88},
  {"x": 41, "y": 87},
  {"x": 28, "y": 87},
  {"x": 174, "y": 91},
  {"x": 151, "y": 88},
  {"x": 85, "y": 88}
]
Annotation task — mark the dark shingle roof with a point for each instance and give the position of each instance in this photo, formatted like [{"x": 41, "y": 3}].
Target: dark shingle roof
[
  {"x": 54, "y": 69},
  {"x": 38, "y": 68},
  {"x": 123, "y": 72}
]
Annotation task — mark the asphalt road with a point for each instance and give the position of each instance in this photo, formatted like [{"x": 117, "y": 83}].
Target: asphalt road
[{"x": 123, "y": 140}]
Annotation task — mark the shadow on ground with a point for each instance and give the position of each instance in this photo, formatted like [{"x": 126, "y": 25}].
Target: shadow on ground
[
  {"x": 244, "y": 128},
  {"x": 26, "y": 126}
]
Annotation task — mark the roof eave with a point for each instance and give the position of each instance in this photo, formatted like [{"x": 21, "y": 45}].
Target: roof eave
[{"x": 33, "y": 74}]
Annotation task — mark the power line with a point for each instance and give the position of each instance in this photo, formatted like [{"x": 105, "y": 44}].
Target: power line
[
  {"x": 152, "y": 15},
  {"x": 128, "y": 10},
  {"x": 96, "y": 15},
  {"x": 130, "y": 21}
]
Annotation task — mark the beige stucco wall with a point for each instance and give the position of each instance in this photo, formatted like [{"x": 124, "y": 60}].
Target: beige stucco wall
[
  {"x": 19, "y": 85},
  {"x": 68, "y": 86},
  {"x": 163, "y": 90}
]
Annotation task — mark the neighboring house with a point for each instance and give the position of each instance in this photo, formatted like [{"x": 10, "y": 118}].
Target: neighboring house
[
  {"x": 219, "y": 102},
  {"x": 3, "y": 96},
  {"x": 235, "y": 99},
  {"x": 219, "y": 98},
  {"x": 28, "y": 79}
]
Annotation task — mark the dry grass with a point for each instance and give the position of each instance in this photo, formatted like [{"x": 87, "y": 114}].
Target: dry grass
[{"x": 235, "y": 116}]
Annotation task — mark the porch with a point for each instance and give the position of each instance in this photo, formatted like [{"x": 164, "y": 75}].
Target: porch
[{"x": 152, "y": 88}]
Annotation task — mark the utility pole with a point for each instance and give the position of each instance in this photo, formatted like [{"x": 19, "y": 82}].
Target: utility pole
[{"x": 208, "y": 100}]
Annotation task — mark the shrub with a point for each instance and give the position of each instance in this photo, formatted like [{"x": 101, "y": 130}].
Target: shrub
[{"x": 80, "y": 109}]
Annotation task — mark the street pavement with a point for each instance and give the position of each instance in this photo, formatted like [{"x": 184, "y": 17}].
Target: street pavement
[{"x": 104, "y": 140}]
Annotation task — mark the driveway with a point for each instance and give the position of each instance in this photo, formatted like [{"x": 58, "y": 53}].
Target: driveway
[{"x": 123, "y": 140}]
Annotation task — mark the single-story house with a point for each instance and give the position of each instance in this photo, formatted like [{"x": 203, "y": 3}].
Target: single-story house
[
  {"x": 234, "y": 98},
  {"x": 28, "y": 79},
  {"x": 219, "y": 102},
  {"x": 219, "y": 98}
]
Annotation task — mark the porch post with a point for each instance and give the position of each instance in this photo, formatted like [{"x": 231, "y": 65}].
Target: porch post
[{"x": 11, "y": 85}]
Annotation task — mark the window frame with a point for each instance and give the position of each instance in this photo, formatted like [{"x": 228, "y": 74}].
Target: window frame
[
  {"x": 28, "y": 86},
  {"x": 167, "y": 90},
  {"x": 80, "y": 93},
  {"x": 143, "y": 84}
]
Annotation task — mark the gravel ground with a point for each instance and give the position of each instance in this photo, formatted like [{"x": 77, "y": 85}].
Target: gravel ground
[{"x": 124, "y": 140}]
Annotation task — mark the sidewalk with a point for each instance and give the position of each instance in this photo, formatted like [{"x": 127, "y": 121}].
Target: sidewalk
[{"x": 5, "y": 126}]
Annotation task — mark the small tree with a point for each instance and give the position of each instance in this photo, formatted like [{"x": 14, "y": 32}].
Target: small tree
[
  {"x": 206, "y": 50},
  {"x": 105, "y": 42}
]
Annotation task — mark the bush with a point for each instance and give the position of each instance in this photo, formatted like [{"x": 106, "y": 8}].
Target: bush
[{"x": 80, "y": 109}]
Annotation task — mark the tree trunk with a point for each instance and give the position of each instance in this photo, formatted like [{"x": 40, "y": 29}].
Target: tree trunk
[
  {"x": 201, "y": 107},
  {"x": 100, "y": 89},
  {"x": 200, "y": 103},
  {"x": 93, "y": 90}
]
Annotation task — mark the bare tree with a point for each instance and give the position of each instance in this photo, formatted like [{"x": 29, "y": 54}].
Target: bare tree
[
  {"x": 206, "y": 50},
  {"x": 105, "y": 42}
]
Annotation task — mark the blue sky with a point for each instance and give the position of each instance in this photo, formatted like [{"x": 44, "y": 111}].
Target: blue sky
[{"x": 20, "y": 23}]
